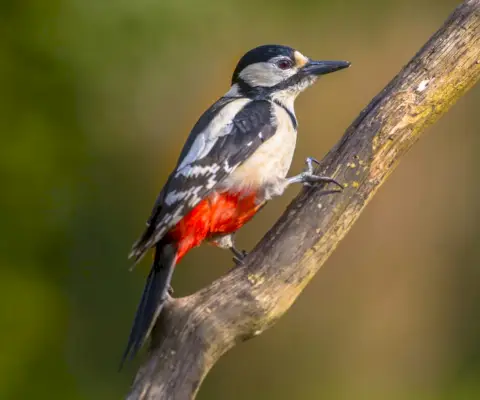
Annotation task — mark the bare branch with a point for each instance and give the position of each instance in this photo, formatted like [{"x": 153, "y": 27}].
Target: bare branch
[{"x": 195, "y": 331}]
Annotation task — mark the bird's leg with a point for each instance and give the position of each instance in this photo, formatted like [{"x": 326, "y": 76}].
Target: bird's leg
[
  {"x": 227, "y": 242},
  {"x": 308, "y": 178},
  {"x": 238, "y": 255}
]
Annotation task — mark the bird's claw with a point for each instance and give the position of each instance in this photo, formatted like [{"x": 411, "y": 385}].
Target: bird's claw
[
  {"x": 239, "y": 256},
  {"x": 310, "y": 161},
  {"x": 308, "y": 177}
]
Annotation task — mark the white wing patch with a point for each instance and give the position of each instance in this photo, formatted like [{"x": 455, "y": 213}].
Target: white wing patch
[
  {"x": 169, "y": 220},
  {"x": 198, "y": 170},
  {"x": 227, "y": 167},
  {"x": 174, "y": 197},
  {"x": 194, "y": 197},
  {"x": 220, "y": 126},
  {"x": 195, "y": 152},
  {"x": 190, "y": 194},
  {"x": 211, "y": 182}
]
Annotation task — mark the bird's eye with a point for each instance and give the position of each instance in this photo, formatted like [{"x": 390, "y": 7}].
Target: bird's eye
[{"x": 284, "y": 64}]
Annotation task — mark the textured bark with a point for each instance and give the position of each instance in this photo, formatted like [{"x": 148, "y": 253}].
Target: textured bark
[{"x": 195, "y": 331}]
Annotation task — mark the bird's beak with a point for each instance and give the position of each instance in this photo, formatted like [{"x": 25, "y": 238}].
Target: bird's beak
[{"x": 323, "y": 67}]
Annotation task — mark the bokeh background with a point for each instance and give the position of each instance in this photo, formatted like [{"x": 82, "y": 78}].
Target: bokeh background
[{"x": 96, "y": 99}]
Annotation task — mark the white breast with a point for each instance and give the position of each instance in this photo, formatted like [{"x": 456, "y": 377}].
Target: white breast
[{"x": 269, "y": 165}]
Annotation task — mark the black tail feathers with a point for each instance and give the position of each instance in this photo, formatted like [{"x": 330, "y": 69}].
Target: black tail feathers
[{"x": 153, "y": 298}]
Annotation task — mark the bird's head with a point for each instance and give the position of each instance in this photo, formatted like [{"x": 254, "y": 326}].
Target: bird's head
[{"x": 274, "y": 70}]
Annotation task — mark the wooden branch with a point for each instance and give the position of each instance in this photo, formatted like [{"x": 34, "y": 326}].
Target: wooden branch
[{"x": 193, "y": 332}]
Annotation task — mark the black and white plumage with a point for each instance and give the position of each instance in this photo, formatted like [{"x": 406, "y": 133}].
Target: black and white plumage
[
  {"x": 258, "y": 106},
  {"x": 233, "y": 129},
  {"x": 237, "y": 157}
]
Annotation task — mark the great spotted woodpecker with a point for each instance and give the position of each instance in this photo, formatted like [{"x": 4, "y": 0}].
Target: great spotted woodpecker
[{"x": 236, "y": 158}]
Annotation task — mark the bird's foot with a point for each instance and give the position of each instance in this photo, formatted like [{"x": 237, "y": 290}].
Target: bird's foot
[
  {"x": 308, "y": 178},
  {"x": 238, "y": 255}
]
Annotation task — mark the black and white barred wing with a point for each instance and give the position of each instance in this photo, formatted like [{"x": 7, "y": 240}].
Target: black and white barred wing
[{"x": 231, "y": 136}]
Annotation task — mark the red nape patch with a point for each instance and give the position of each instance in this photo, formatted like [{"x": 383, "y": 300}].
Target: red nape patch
[{"x": 220, "y": 213}]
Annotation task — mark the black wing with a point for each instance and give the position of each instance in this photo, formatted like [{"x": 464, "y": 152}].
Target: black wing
[{"x": 206, "y": 160}]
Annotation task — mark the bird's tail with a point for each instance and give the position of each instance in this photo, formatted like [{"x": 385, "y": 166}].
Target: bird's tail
[{"x": 153, "y": 298}]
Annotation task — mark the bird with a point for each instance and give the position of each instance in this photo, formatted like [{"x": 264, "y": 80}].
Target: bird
[{"x": 235, "y": 159}]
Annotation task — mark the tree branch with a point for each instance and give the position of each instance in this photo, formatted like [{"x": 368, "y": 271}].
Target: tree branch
[{"x": 195, "y": 331}]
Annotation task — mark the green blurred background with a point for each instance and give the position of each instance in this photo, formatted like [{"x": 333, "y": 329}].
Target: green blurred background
[{"x": 96, "y": 99}]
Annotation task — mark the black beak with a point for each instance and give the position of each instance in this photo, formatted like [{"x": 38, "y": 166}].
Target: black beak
[{"x": 324, "y": 67}]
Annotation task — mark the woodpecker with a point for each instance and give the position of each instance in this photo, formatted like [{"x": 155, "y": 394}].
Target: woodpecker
[{"x": 235, "y": 159}]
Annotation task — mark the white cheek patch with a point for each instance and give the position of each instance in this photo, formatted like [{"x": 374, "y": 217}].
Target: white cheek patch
[{"x": 265, "y": 74}]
